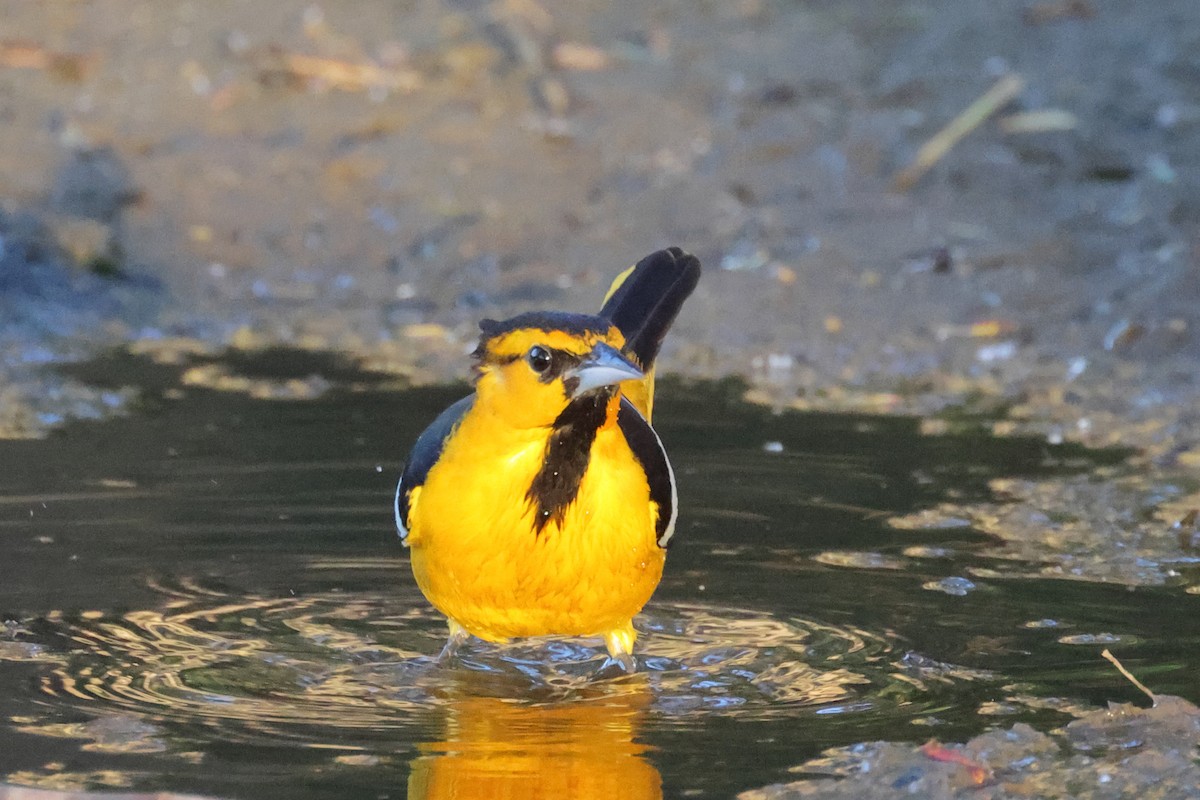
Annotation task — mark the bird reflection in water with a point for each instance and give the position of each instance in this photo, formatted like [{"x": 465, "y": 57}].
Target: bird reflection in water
[{"x": 577, "y": 744}]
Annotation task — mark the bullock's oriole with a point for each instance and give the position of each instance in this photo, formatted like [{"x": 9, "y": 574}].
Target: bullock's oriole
[{"x": 542, "y": 503}]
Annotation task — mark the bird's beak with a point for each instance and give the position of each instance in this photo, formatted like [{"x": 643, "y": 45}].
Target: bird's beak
[{"x": 604, "y": 366}]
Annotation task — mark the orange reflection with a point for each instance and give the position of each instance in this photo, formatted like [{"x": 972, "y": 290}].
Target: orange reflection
[{"x": 506, "y": 747}]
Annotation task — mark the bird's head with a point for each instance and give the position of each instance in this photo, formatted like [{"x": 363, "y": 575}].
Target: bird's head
[{"x": 532, "y": 366}]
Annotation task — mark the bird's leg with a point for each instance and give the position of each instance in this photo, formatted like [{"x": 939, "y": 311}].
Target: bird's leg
[
  {"x": 619, "y": 642},
  {"x": 458, "y": 635}
]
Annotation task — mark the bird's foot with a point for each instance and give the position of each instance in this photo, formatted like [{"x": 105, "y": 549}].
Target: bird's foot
[
  {"x": 458, "y": 635},
  {"x": 616, "y": 666},
  {"x": 619, "y": 642}
]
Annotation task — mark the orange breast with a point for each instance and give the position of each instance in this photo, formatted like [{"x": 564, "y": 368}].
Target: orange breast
[{"x": 477, "y": 558}]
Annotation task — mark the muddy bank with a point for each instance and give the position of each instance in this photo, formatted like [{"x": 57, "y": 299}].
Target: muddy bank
[
  {"x": 1120, "y": 752},
  {"x": 377, "y": 181},
  {"x": 64, "y": 295}
]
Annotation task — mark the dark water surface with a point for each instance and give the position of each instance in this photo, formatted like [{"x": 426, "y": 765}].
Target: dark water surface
[{"x": 208, "y": 596}]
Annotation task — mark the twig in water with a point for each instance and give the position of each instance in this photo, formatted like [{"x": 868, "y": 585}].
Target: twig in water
[{"x": 1129, "y": 675}]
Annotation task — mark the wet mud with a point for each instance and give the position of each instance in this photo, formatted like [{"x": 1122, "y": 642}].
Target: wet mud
[{"x": 1124, "y": 751}]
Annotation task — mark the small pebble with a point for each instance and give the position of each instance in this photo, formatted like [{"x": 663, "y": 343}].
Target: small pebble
[{"x": 956, "y": 586}]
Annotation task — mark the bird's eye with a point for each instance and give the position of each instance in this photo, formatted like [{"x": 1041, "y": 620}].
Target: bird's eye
[{"x": 539, "y": 358}]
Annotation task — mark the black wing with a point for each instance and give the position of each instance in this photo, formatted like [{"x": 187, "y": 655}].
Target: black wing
[
  {"x": 648, "y": 300},
  {"x": 425, "y": 454},
  {"x": 648, "y": 450}
]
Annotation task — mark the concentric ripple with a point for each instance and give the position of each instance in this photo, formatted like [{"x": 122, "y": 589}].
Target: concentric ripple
[{"x": 293, "y": 665}]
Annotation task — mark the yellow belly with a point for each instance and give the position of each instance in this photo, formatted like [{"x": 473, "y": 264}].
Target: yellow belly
[{"x": 477, "y": 558}]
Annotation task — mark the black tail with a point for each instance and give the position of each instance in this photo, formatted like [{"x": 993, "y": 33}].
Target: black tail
[{"x": 646, "y": 301}]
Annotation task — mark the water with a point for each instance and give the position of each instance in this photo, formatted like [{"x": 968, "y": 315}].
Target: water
[{"x": 208, "y": 596}]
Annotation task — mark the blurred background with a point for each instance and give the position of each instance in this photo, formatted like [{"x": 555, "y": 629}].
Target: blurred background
[{"x": 375, "y": 177}]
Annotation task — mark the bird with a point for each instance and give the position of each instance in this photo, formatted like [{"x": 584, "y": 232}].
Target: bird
[{"x": 542, "y": 504}]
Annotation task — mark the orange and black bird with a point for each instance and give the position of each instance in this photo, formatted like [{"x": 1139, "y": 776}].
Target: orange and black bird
[{"x": 542, "y": 504}]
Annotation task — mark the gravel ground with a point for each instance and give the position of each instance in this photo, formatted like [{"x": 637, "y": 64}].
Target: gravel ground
[{"x": 500, "y": 156}]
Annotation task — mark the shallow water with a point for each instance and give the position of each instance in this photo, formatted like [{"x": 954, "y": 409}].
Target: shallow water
[{"x": 208, "y": 596}]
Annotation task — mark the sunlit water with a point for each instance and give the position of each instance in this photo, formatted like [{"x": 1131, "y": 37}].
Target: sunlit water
[{"x": 208, "y": 596}]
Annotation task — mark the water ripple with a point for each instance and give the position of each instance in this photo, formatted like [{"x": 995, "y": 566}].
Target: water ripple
[{"x": 308, "y": 666}]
